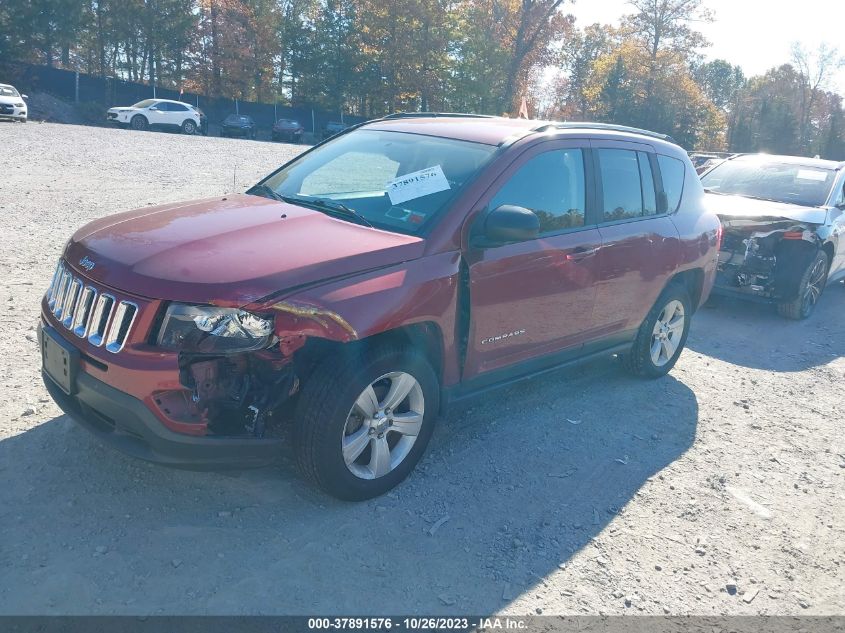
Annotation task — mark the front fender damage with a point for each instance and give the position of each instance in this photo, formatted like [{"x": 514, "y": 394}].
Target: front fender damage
[{"x": 301, "y": 319}]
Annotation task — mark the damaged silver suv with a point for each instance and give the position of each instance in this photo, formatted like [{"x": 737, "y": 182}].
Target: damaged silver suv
[{"x": 783, "y": 228}]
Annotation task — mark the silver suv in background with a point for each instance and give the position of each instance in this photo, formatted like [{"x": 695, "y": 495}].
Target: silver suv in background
[{"x": 783, "y": 222}]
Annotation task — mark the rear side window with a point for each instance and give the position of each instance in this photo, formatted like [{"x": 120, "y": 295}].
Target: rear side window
[
  {"x": 627, "y": 184},
  {"x": 551, "y": 185},
  {"x": 672, "y": 173},
  {"x": 177, "y": 107}
]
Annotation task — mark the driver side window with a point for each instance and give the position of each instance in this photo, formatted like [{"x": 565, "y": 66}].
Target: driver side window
[{"x": 551, "y": 185}]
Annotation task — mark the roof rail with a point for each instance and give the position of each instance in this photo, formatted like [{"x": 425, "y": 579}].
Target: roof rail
[
  {"x": 604, "y": 126},
  {"x": 416, "y": 115}
]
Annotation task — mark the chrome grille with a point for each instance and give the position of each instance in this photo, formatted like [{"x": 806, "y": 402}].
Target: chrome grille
[{"x": 86, "y": 312}]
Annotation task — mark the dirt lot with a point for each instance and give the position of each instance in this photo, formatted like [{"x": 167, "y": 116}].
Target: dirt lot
[{"x": 718, "y": 489}]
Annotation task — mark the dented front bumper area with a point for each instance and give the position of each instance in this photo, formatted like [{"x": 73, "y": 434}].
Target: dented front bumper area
[
  {"x": 249, "y": 394},
  {"x": 240, "y": 395},
  {"x": 759, "y": 258}
]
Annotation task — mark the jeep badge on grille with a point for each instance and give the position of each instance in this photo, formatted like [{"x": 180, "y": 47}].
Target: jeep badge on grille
[{"x": 86, "y": 263}]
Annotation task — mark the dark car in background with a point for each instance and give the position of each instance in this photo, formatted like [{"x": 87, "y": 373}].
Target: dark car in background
[
  {"x": 288, "y": 130},
  {"x": 783, "y": 220},
  {"x": 238, "y": 125},
  {"x": 333, "y": 127}
]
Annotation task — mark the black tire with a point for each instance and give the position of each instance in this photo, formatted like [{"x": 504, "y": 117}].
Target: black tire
[
  {"x": 326, "y": 402},
  {"x": 139, "y": 122},
  {"x": 810, "y": 289},
  {"x": 639, "y": 360},
  {"x": 189, "y": 127}
]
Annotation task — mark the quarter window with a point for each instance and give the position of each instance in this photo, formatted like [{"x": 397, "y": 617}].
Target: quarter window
[
  {"x": 551, "y": 185},
  {"x": 672, "y": 173}
]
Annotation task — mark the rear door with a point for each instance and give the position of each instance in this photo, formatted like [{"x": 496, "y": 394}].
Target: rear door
[
  {"x": 533, "y": 298},
  {"x": 177, "y": 113},
  {"x": 640, "y": 244}
]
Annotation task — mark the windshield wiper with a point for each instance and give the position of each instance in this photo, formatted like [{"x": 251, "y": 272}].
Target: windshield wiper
[
  {"x": 329, "y": 206},
  {"x": 266, "y": 192},
  {"x": 320, "y": 204},
  {"x": 718, "y": 193}
]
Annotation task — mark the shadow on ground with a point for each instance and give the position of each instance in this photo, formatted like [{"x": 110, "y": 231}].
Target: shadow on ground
[
  {"x": 755, "y": 335},
  {"x": 527, "y": 476}
]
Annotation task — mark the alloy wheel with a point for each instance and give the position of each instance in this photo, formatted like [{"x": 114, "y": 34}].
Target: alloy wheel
[
  {"x": 667, "y": 333},
  {"x": 383, "y": 425},
  {"x": 815, "y": 285}
]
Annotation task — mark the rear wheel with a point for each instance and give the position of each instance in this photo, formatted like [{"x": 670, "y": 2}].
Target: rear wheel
[
  {"x": 662, "y": 335},
  {"x": 810, "y": 289},
  {"x": 189, "y": 127},
  {"x": 363, "y": 422},
  {"x": 139, "y": 122}
]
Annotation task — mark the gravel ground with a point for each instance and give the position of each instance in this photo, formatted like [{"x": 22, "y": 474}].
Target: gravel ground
[{"x": 716, "y": 490}]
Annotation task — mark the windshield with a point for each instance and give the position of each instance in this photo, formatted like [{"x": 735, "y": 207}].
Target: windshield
[
  {"x": 805, "y": 185},
  {"x": 393, "y": 180},
  {"x": 236, "y": 118},
  {"x": 146, "y": 103},
  {"x": 8, "y": 91}
]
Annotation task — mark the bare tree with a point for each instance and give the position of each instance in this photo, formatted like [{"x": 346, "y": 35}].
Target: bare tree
[{"x": 814, "y": 73}]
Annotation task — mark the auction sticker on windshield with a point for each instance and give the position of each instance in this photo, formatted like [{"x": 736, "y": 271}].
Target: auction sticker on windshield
[
  {"x": 811, "y": 174},
  {"x": 416, "y": 184}
]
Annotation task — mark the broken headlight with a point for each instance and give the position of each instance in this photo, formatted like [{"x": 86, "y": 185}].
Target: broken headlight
[{"x": 211, "y": 330}]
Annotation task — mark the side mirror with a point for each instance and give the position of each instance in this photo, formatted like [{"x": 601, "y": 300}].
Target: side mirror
[
  {"x": 153, "y": 108},
  {"x": 24, "y": 96},
  {"x": 509, "y": 223}
]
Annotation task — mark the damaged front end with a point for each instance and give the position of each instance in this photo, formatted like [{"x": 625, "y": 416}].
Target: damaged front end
[
  {"x": 238, "y": 370},
  {"x": 235, "y": 372},
  {"x": 764, "y": 257}
]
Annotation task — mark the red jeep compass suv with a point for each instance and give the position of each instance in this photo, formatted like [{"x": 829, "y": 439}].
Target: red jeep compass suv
[{"x": 405, "y": 263}]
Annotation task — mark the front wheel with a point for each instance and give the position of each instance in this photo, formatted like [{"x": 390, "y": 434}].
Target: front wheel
[
  {"x": 810, "y": 288},
  {"x": 363, "y": 422},
  {"x": 139, "y": 122},
  {"x": 189, "y": 127},
  {"x": 662, "y": 335}
]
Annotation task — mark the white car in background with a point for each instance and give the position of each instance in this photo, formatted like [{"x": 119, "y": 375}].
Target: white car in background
[
  {"x": 157, "y": 113},
  {"x": 12, "y": 106}
]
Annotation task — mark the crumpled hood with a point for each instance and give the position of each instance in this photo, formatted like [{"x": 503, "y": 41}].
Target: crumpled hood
[
  {"x": 742, "y": 207},
  {"x": 231, "y": 251}
]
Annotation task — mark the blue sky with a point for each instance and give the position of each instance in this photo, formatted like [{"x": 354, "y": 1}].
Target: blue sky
[{"x": 755, "y": 34}]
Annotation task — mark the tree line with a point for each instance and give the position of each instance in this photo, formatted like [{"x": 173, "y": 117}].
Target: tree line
[{"x": 371, "y": 57}]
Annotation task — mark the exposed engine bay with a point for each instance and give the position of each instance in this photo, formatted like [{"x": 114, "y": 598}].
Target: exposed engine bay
[
  {"x": 764, "y": 257},
  {"x": 231, "y": 395}
]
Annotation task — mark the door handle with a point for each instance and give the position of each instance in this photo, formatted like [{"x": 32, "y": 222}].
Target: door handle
[{"x": 581, "y": 253}]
